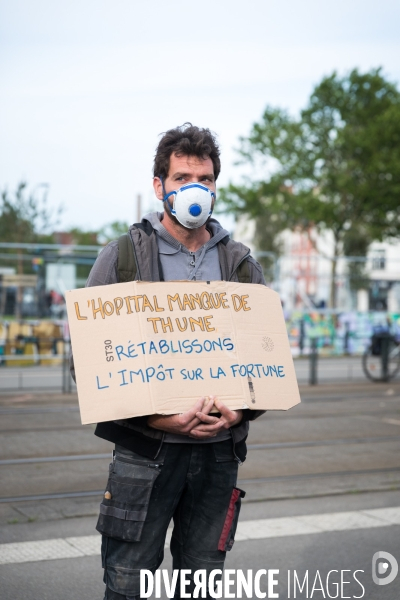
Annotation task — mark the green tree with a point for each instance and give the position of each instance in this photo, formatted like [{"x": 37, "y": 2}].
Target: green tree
[
  {"x": 26, "y": 217},
  {"x": 268, "y": 204},
  {"x": 355, "y": 245},
  {"x": 113, "y": 231},
  {"x": 336, "y": 167},
  {"x": 82, "y": 237},
  {"x": 107, "y": 233}
]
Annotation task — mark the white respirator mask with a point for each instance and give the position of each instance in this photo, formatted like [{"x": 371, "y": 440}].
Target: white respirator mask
[{"x": 192, "y": 204}]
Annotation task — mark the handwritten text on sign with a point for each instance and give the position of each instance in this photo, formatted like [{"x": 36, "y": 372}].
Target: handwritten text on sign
[{"x": 173, "y": 338}]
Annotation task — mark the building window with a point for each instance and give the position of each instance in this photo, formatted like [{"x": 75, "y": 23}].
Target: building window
[{"x": 379, "y": 260}]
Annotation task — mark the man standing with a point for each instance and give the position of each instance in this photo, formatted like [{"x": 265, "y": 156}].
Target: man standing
[{"x": 180, "y": 467}]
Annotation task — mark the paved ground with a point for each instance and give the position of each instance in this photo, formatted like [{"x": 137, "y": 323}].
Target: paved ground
[
  {"x": 343, "y": 544},
  {"x": 322, "y": 484}
]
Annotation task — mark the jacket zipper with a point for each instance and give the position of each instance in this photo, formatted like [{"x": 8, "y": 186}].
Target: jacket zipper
[
  {"x": 234, "y": 448},
  {"x": 160, "y": 446},
  {"x": 138, "y": 274},
  {"x": 133, "y": 461}
]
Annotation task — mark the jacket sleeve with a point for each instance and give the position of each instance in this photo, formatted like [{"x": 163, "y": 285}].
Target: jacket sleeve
[
  {"x": 251, "y": 415},
  {"x": 104, "y": 270}
]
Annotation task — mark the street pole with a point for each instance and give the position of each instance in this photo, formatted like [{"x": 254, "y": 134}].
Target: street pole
[
  {"x": 66, "y": 375},
  {"x": 385, "y": 338},
  {"x": 313, "y": 374},
  {"x": 139, "y": 208}
]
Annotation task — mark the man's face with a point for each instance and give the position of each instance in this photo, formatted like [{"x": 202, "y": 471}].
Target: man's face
[{"x": 183, "y": 170}]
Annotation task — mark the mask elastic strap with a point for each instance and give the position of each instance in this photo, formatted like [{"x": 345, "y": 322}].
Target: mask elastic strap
[
  {"x": 163, "y": 188},
  {"x": 166, "y": 196}
]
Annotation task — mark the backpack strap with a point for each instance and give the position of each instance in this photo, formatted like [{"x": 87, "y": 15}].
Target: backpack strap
[
  {"x": 127, "y": 267},
  {"x": 243, "y": 272}
]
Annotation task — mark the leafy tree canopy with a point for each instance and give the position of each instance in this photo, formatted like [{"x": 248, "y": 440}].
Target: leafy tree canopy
[
  {"x": 25, "y": 216},
  {"x": 336, "y": 167},
  {"x": 83, "y": 237},
  {"x": 113, "y": 231}
]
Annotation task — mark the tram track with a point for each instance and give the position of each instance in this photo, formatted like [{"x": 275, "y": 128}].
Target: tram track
[
  {"x": 41, "y": 429},
  {"x": 31, "y": 410},
  {"x": 272, "y": 415},
  {"x": 253, "y": 481},
  {"x": 64, "y": 477},
  {"x": 250, "y": 447},
  {"x": 314, "y": 398},
  {"x": 48, "y": 459}
]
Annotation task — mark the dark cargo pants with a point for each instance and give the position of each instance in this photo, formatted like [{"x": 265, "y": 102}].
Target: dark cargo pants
[{"x": 193, "y": 484}]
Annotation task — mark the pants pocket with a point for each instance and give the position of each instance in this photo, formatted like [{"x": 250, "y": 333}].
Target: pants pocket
[
  {"x": 126, "y": 499},
  {"x": 223, "y": 451},
  {"x": 227, "y": 537}
]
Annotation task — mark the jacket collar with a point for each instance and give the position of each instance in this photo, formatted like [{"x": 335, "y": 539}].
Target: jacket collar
[{"x": 230, "y": 253}]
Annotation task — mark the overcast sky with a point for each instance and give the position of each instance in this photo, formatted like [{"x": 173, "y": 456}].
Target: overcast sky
[{"x": 88, "y": 85}]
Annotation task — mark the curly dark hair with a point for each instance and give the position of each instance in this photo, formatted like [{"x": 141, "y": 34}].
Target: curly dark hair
[{"x": 186, "y": 140}]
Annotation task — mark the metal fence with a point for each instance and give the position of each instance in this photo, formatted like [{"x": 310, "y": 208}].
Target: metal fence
[{"x": 29, "y": 366}]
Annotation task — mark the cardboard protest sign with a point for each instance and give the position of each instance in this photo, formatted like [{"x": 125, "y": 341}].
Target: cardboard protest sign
[{"x": 143, "y": 348}]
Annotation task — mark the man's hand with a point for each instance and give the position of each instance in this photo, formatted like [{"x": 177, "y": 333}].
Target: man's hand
[
  {"x": 184, "y": 423},
  {"x": 197, "y": 422},
  {"x": 210, "y": 425}
]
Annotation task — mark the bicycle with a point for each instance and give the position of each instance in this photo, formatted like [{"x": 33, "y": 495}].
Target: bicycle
[{"x": 381, "y": 360}]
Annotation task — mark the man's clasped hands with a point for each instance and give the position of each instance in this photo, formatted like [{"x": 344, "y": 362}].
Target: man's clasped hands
[{"x": 197, "y": 421}]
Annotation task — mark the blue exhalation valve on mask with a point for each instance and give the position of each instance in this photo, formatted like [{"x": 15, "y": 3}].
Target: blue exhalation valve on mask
[
  {"x": 192, "y": 204},
  {"x": 195, "y": 210}
]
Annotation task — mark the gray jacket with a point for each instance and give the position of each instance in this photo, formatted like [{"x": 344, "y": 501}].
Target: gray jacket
[{"x": 134, "y": 433}]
